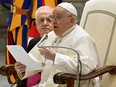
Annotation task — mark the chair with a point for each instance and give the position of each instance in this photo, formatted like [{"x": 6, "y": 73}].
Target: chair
[
  {"x": 99, "y": 20},
  {"x": 8, "y": 70}
]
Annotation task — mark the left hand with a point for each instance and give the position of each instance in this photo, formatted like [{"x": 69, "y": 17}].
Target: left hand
[
  {"x": 48, "y": 53},
  {"x": 19, "y": 67}
]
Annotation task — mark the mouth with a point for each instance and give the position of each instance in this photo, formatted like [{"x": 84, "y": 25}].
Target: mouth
[{"x": 45, "y": 28}]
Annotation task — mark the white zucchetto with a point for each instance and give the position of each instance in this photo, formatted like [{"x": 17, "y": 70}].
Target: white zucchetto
[{"x": 69, "y": 7}]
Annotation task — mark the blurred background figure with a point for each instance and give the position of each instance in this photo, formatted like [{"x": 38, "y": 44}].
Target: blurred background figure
[{"x": 44, "y": 24}]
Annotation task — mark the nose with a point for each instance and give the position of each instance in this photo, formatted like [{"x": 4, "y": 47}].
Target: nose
[{"x": 45, "y": 22}]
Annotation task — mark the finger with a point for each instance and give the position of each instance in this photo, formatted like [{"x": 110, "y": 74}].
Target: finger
[
  {"x": 41, "y": 51},
  {"x": 18, "y": 70},
  {"x": 21, "y": 70},
  {"x": 18, "y": 66}
]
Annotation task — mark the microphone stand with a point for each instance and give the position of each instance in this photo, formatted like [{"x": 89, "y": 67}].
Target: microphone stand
[{"x": 78, "y": 59}]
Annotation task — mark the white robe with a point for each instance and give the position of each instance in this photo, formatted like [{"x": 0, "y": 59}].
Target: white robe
[{"x": 65, "y": 59}]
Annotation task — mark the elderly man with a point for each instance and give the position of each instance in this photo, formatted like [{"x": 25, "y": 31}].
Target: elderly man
[
  {"x": 66, "y": 33},
  {"x": 44, "y": 24}
]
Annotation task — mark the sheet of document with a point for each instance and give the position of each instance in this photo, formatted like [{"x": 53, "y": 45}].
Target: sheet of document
[{"x": 22, "y": 56}]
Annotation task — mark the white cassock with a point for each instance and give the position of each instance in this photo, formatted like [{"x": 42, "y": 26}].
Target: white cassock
[{"x": 66, "y": 60}]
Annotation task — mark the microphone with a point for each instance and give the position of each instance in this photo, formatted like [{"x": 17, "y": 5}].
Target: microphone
[
  {"x": 44, "y": 37},
  {"x": 78, "y": 59}
]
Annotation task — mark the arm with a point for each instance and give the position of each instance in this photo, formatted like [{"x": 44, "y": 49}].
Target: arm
[
  {"x": 69, "y": 62},
  {"x": 66, "y": 60}
]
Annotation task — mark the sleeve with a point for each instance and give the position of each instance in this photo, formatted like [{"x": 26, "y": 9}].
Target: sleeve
[
  {"x": 88, "y": 57},
  {"x": 66, "y": 62}
]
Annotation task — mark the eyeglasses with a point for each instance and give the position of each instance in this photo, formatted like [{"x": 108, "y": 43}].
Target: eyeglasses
[
  {"x": 58, "y": 17},
  {"x": 41, "y": 20}
]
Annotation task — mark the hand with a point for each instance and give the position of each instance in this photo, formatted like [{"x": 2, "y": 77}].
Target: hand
[
  {"x": 19, "y": 67},
  {"x": 48, "y": 53}
]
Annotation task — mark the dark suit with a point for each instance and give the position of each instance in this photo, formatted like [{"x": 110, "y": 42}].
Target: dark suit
[{"x": 32, "y": 43}]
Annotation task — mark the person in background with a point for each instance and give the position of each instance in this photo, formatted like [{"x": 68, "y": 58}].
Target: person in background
[
  {"x": 44, "y": 24},
  {"x": 66, "y": 33}
]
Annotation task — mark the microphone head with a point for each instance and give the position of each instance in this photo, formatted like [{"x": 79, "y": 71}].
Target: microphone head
[{"x": 44, "y": 37}]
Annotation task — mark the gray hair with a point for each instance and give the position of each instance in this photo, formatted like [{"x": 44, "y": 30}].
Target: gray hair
[{"x": 42, "y": 8}]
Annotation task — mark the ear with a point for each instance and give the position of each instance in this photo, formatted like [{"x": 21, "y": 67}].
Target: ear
[{"x": 72, "y": 20}]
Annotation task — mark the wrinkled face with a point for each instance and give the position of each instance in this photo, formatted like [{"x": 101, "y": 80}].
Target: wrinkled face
[
  {"x": 62, "y": 21},
  {"x": 44, "y": 21}
]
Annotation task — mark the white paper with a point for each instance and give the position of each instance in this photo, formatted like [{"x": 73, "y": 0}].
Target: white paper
[{"x": 22, "y": 56}]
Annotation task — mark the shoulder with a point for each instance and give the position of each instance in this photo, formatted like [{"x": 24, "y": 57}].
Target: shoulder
[
  {"x": 35, "y": 40},
  {"x": 81, "y": 34}
]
